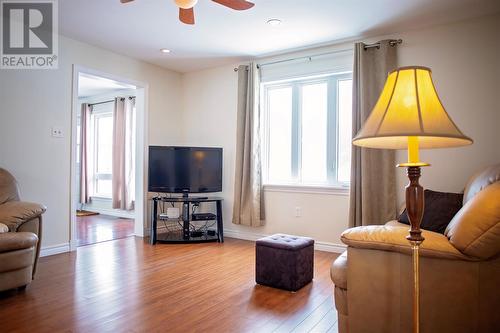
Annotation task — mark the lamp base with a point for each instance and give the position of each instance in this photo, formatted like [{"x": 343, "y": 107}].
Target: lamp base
[{"x": 414, "y": 203}]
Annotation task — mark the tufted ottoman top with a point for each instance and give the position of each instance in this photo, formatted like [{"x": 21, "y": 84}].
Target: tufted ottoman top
[{"x": 286, "y": 242}]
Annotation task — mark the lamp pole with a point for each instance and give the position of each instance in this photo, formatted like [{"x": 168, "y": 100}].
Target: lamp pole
[{"x": 415, "y": 211}]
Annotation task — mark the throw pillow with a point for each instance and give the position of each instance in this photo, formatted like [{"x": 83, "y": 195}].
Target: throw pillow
[
  {"x": 439, "y": 209},
  {"x": 3, "y": 228}
]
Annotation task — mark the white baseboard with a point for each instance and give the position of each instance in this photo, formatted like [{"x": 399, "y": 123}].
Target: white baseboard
[
  {"x": 242, "y": 235},
  {"x": 113, "y": 212},
  {"x": 103, "y": 206},
  {"x": 330, "y": 247},
  {"x": 54, "y": 249},
  {"x": 73, "y": 244},
  {"x": 319, "y": 246}
]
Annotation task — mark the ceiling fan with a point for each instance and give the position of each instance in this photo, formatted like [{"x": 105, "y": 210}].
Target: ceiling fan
[{"x": 186, "y": 7}]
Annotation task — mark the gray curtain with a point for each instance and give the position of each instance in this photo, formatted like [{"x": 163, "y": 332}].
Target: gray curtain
[
  {"x": 248, "y": 208},
  {"x": 373, "y": 171},
  {"x": 123, "y": 174},
  {"x": 84, "y": 153}
]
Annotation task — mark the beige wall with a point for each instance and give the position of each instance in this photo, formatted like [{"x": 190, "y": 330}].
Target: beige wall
[
  {"x": 465, "y": 58},
  {"x": 32, "y": 101}
]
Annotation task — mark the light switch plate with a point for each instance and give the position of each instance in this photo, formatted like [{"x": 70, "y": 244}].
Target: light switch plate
[
  {"x": 298, "y": 211},
  {"x": 56, "y": 132}
]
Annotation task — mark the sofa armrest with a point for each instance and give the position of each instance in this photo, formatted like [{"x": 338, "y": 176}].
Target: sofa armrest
[
  {"x": 338, "y": 271},
  {"x": 15, "y": 213},
  {"x": 12, "y": 241},
  {"x": 391, "y": 238}
]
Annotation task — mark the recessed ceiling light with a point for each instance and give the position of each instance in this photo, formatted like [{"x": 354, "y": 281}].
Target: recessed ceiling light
[
  {"x": 274, "y": 22},
  {"x": 164, "y": 50}
]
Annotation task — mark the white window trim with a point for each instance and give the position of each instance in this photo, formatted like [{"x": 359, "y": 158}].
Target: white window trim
[
  {"x": 307, "y": 189},
  {"x": 332, "y": 186}
]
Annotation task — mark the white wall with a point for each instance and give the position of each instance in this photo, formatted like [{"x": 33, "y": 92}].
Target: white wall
[
  {"x": 465, "y": 58},
  {"x": 32, "y": 101},
  {"x": 200, "y": 109}
]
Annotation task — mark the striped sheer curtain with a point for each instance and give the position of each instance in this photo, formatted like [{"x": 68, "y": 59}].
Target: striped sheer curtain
[{"x": 123, "y": 174}]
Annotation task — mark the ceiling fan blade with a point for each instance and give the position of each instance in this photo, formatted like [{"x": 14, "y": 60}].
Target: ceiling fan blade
[
  {"x": 126, "y": 1},
  {"x": 235, "y": 4},
  {"x": 186, "y": 15}
]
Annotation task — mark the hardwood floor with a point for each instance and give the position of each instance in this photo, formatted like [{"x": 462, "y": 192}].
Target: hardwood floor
[
  {"x": 100, "y": 228},
  {"x": 128, "y": 285}
]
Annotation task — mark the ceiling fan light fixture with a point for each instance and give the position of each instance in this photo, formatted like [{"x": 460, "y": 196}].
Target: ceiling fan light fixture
[
  {"x": 185, "y": 4},
  {"x": 164, "y": 50},
  {"x": 186, "y": 10}
]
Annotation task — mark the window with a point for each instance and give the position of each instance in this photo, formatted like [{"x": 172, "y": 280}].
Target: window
[
  {"x": 102, "y": 145},
  {"x": 307, "y": 130}
]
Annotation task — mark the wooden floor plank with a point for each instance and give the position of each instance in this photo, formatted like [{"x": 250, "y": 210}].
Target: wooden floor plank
[
  {"x": 326, "y": 323},
  {"x": 101, "y": 228},
  {"x": 128, "y": 285},
  {"x": 314, "y": 317}
]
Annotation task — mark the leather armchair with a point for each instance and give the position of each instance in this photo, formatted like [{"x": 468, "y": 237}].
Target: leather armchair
[
  {"x": 459, "y": 271},
  {"x": 19, "y": 217},
  {"x": 17, "y": 254}
]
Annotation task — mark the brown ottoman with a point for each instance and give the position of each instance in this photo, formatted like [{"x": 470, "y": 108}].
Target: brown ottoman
[{"x": 284, "y": 261}]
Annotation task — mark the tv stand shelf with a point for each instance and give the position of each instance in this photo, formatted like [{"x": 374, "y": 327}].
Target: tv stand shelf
[{"x": 184, "y": 229}]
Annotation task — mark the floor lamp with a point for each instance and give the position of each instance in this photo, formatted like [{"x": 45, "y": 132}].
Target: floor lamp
[{"x": 409, "y": 115}]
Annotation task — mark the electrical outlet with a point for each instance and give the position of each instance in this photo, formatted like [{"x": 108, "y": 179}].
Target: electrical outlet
[
  {"x": 298, "y": 211},
  {"x": 56, "y": 132}
]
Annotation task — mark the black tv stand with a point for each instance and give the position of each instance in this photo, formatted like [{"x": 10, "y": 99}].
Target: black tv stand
[
  {"x": 186, "y": 196},
  {"x": 182, "y": 230}
]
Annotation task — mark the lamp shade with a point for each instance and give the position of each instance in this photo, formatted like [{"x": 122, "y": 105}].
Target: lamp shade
[{"x": 409, "y": 106}]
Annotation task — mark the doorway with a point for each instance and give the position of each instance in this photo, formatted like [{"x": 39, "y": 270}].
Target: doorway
[{"x": 108, "y": 145}]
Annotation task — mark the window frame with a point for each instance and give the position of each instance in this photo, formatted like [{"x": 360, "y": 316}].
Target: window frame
[
  {"x": 332, "y": 155},
  {"x": 96, "y": 176}
]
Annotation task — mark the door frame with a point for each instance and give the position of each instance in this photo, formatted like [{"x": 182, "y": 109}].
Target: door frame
[{"x": 141, "y": 149}]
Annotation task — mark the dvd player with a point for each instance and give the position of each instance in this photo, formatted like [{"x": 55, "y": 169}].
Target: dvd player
[{"x": 203, "y": 216}]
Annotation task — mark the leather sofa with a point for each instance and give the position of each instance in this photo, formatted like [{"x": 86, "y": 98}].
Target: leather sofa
[
  {"x": 459, "y": 271},
  {"x": 20, "y": 235}
]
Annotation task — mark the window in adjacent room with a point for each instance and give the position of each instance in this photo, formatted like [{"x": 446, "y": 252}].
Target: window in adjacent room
[
  {"x": 307, "y": 130},
  {"x": 102, "y": 145}
]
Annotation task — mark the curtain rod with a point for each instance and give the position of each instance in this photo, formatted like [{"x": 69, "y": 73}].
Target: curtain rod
[
  {"x": 392, "y": 42},
  {"x": 298, "y": 58},
  {"x": 101, "y": 102},
  {"x": 110, "y": 101}
]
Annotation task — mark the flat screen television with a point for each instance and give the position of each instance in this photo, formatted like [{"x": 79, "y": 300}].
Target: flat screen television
[{"x": 185, "y": 169}]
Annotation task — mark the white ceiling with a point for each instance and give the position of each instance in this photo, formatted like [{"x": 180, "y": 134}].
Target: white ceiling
[
  {"x": 90, "y": 85},
  {"x": 221, "y": 36}
]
